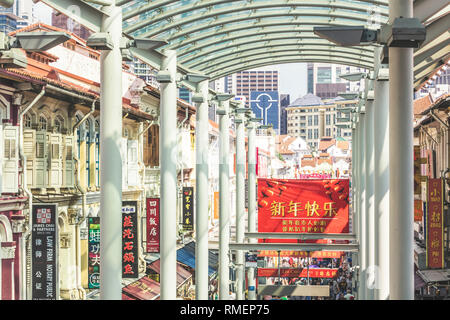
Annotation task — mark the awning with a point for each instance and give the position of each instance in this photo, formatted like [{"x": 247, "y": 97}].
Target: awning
[
  {"x": 418, "y": 282},
  {"x": 142, "y": 289},
  {"x": 186, "y": 255},
  {"x": 182, "y": 274},
  {"x": 434, "y": 275}
]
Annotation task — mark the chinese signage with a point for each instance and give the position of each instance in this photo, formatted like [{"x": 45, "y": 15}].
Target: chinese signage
[
  {"x": 434, "y": 235},
  {"x": 302, "y": 254},
  {"x": 44, "y": 251},
  {"x": 188, "y": 208},
  {"x": 418, "y": 211},
  {"x": 153, "y": 225},
  {"x": 94, "y": 252},
  {"x": 303, "y": 206},
  {"x": 129, "y": 240},
  {"x": 297, "y": 273}
]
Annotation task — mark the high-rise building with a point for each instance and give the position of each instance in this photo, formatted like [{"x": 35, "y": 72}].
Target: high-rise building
[
  {"x": 284, "y": 103},
  {"x": 63, "y": 22},
  {"x": 8, "y": 22},
  {"x": 244, "y": 82},
  {"x": 23, "y": 12},
  {"x": 324, "y": 80},
  {"x": 312, "y": 118}
]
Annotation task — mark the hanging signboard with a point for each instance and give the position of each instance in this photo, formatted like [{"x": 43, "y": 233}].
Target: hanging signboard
[
  {"x": 418, "y": 211},
  {"x": 94, "y": 252},
  {"x": 297, "y": 273},
  {"x": 129, "y": 240},
  {"x": 434, "y": 225},
  {"x": 303, "y": 206},
  {"x": 302, "y": 254},
  {"x": 153, "y": 244},
  {"x": 44, "y": 252},
  {"x": 188, "y": 208}
]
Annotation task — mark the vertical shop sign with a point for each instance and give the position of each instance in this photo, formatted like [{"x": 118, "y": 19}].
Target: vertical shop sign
[
  {"x": 418, "y": 213},
  {"x": 188, "y": 208},
  {"x": 434, "y": 226},
  {"x": 129, "y": 240},
  {"x": 153, "y": 244},
  {"x": 94, "y": 252},
  {"x": 44, "y": 252}
]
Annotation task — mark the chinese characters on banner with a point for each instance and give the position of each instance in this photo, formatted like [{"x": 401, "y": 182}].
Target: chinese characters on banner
[
  {"x": 188, "y": 208},
  {"x": 418, "y": 211},
  {"x": 297, "y": 273},
  {"x": 129, "y": 240},
  {"x": 44, "y": 252},
  {"x": 153, "y": 225},
  {"x": 301, "y": 254},
  {"x": 94, "y": 252},
  {"x": 303, "y": 206},
  {"x": 434, "y": 235}
]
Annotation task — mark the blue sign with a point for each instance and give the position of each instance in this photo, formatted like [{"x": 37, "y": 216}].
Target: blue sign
[{"x": 265, "y": 105}]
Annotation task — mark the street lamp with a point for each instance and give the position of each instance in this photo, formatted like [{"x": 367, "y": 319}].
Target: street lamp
[{"x": 12, "y": 57}]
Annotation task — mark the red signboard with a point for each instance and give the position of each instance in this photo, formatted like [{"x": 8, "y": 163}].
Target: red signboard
[
  {"x": 302, "y": 254},
  {"x": 297, "y": 273},
  {"x": 435, "y": 254},
  {"x": 303, "y": 206},
  {"x": 153, "y": 225},
  {"x": 418, "y": 212}
]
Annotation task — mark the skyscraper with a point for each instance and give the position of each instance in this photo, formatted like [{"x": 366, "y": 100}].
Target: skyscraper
[{"x": 284, "y": 102}]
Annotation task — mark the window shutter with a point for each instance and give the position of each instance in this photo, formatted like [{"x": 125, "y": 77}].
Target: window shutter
[
  {"x": 69, "y": 164},
  {"x": 55, "y": 161},
  {"x": 10, "y": 165},
  {"x": 132, "y": 164},
  {"x": 124, "y": 155},
  {"x": 40, "y": 162}
]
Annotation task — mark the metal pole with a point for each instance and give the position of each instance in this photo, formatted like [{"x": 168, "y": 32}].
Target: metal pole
[
  {"x": 401, "y": 196},
  {"x": 224, "y": 202},
  {"x": 240, "y": 201},
  {"x": 201, "y": 195},
  {"x": 370, "y": 218},
  {"x": 251, "y": 202},
  {"x": 362, "y": 209},
  {"x": 381, "y": 143},
  {"x": 168, "y": 147},
  {"x": 110, "y": 159},
  {"x": 355, "y": 187}
]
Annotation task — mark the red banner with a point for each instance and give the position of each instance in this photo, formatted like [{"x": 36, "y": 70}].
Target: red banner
[
  {"x": 302, "y": 254},
  {"x": 418, "y": 211},
  {"x": 302, "y": 206},
  {"x": 297, "y": 273},
  {"x": 435, "y": 254},
  {"x": 153, "y": 225}
]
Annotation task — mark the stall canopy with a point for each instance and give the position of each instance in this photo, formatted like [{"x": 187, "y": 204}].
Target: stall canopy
[{"x": 186, "y": 255}]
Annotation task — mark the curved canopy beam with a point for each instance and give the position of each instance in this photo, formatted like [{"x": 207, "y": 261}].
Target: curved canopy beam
[
  {"x": 274, "y": 61},
  {"x": 259, "y": 39},
  {"x": 221, "y": 64},
  {"x": 239, "y": 52},
  {"x": 244, "y": 11},
  {"x": 251, "y": 27},
  {"x": 279, "y": 54}
]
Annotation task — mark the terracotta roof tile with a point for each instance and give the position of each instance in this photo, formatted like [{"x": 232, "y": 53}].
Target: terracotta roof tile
[{"x": 422, "y": 104}]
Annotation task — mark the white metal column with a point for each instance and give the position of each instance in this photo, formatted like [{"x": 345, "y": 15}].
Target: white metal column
[
  {"x": 251, "y": 202},
  {"x": 381, "y": 143},
  {"x": 401, "y": 197},
  {"x": 110, "y": 159},
  {"x": 240, "y": 201},
  {"x": 362, "y": 208},
  {"x": 370, "y": 219},
  {"x": 168, "y": 152},
  {"x": 201, "y": 195},
  {"x": 224, "y": 202}
]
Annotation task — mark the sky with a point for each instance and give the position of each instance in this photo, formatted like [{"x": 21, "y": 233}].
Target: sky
[{"x": 293, "y": 76}]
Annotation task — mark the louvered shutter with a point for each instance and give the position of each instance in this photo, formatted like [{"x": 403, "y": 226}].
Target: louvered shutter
[
  {"x": 40, "y": 163},
  {"x": 10, "y": 165},
  {"x": 55, "y": 160},
  {"x": 132, "y": 163},
  {"x": 69, "y": 164},
  {"x": 124, "y": 155},
  {"x": 29, "y": 149}
]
